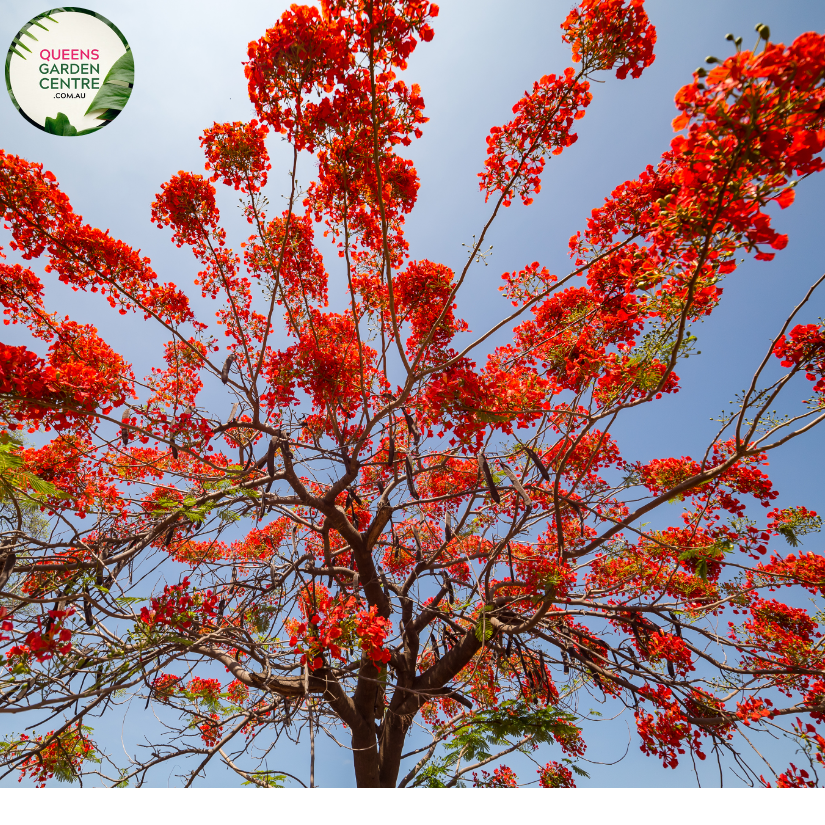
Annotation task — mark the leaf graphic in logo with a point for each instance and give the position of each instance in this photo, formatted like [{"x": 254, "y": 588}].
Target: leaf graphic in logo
[
  {"x": 116, "y": 88},
  {"x": 60, "y": 126}
]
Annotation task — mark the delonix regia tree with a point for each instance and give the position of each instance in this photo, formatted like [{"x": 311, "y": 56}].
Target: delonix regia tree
[{"x": 397, "y": 525}]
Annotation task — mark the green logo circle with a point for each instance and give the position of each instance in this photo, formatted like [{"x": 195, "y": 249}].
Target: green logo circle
[{"x": 69, "y": 71}]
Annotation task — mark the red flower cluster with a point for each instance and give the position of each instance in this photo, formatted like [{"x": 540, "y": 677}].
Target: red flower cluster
[
  {"x": 237, "y": 154},
  {"x": 206, "y": 689},
  {"x": 62, "y": 757},
  {"x": 42, "y": 220},
  {"x": 177, "y": 607},
  {"x": 502, "y": 777},
  {"x": 211, "y": 731},
  {"x": 804, "y": 350},
  {"x": 5, "y": 624},
  {"x": 665, "y": 732},
  {"x": 671, "y": 648},
  {"x": 187, "y": 204},
  {"x": 43, "y": 643},
  {"x": 373, "y": 630},
  {"x": 165, "y": 686},
  {"x": 604, "y": 33},
  {"x": 328, "y": 626},
  {"x": 334, "y": 622},
  {"x": 544, "y": 117},
  {"x": 556, "y": 775}
]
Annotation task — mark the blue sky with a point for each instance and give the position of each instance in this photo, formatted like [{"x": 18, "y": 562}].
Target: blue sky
[{"x": 485, "y": 54}]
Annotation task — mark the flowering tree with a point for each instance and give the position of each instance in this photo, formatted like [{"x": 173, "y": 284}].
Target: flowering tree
[{"x": 395, "y": 526}]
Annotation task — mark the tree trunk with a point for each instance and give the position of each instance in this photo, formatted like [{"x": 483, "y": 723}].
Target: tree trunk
[{"x": 365, "y": 759}]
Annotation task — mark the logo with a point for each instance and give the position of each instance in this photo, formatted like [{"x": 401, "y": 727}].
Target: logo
[{"x": 70, "y": 71}]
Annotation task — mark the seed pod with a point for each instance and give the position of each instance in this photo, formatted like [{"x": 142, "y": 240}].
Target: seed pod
[
  {"x": 517, "y": 484},
  {"x": 6, "y": 568},
  {"x": 676, "y": 625},
  {"x": 670, "y": 670},
  {"x": 488, "y": 477},
  {"x": 411, "y": 426},
  {"x": 221, "y": 608},
  {"x": 87, "y": 610},
  {"x": 419, "y": 556},
  {"x": 523, "y": 663},
  {"x": 270, "y": 457},
  {"x": 449, "y": 585},
  {"x": 509, "y": 649},
  {"x": 380, "y": 485},
  {"x": 579, "y": 512},
  {"x": 233, "y": 412},
  {"x": 174, "y": 448},
  {"x": 49, "y": 621},
  {"x": 596, "y": 677},
  {"x": 225, "y": 371},
  {"x": 510, "y": 561},
  {"x": 385, "y": 585},
  {"x": 396, "y": 548},
  {"x": 565, "y": 661},
  {"x": 124, "y": 432},
  {"x": 448, "y": 526},
  {"x": 409, "y": 470},
  {"x": 391, "y": 452},
  {"x": 284, "y": 443},
  {"x": 169, "y": 536},
  {"x": 534, "y": 457},
  {"x": 327, "y": 552}
]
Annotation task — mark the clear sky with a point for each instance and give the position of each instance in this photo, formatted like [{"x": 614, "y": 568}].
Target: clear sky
[{"x": 485, "y": 53}]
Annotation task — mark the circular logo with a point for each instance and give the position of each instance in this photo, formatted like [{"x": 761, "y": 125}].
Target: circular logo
[{"x": 69, "y": 71}]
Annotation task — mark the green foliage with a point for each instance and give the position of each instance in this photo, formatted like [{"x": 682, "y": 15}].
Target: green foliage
[
  {"x": 60, "y": 126},
  {"x": 22, "y": 494},
  {"x": 188, "y": 508},
  {"x": 480, "y": 734},
  {"x": 484, "y": 630},
  {"x": 715, "y": 552},
  {"x": 15, "y": 480},
  {"x": 261, "y": 617},
  {"x": 115, "y": 90},
  {"x": 267, "y": 779},
  {"x": 512, "y": 718},
  {"x": 796, "y": 522},
  {"x": 434, "y": 775}
]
